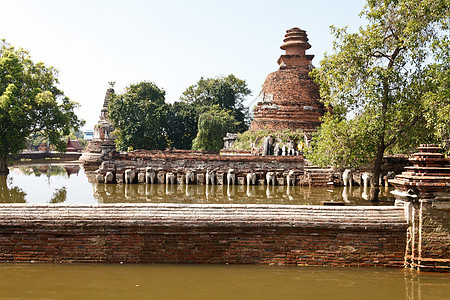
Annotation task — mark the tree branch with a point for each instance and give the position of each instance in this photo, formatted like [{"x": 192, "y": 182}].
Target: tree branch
[
  {"x": 403, "y": 129},
  {"x": 378, "y": 53}
]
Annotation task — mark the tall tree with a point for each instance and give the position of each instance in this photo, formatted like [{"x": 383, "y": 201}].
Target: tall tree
[
  {"x": 227, "y": 92},
  {"x": 182, "y": 125},
  {"x": 139, "y": 117},
  {"x": 381, "y": 83},
  {"x": 213, "y": 125},
  {"x": 30, "y": 102}
]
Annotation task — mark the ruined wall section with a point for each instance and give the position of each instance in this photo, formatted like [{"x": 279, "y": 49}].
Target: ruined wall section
[
  {"x": 181, "y": 162},
  {"x": 428, "y": 246},
  {"x": 213, "y": 234},
  {"x": 202, "y": 160}
]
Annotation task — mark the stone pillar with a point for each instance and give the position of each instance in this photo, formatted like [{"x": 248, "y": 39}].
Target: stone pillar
[{"x": 424, "y": 192}]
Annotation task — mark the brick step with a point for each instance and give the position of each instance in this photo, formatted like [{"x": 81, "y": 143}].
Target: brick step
[
  {"x": 320, "y": 175},
  {"x": 318, "y": 170},
  {"x": 201, "y": 215}
]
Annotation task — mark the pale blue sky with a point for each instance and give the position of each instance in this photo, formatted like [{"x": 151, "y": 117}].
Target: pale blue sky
[{"x": 170, "y": 42}]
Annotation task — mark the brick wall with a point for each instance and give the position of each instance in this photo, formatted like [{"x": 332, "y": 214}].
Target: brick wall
[
  {"x": 181, "y": 233},
  {"x": 180, "y": 162},
  {"x": 429, "y": 236}
]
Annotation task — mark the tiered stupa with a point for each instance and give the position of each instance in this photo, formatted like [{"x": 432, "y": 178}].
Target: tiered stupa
[
  {"x": 289, "y": 98},
  {"x": 429, "y": 174},
  {"x": 103, "y": 140},
  {"x": 103, "y": 130}
]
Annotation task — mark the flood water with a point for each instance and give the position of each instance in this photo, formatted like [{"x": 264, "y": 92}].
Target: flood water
[
  {"x": 83, "y": 281},
  {"x": 68, "y": 184}
]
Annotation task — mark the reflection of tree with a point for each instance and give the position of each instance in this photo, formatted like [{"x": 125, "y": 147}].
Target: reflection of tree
[
  {"x": 12, "y": 194},
  {"x": 37, "y": 171},
  {"x": 59, "y": 196}
]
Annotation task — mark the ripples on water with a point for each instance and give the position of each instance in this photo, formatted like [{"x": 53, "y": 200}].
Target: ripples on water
[{"x": 68, "y": 184}]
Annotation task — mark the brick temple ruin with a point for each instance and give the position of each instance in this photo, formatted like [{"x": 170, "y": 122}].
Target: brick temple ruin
[
  {"x": 103, "y": 141},
  {"x": 414, "y": 233},
  {"x": 289, "y": 98}
]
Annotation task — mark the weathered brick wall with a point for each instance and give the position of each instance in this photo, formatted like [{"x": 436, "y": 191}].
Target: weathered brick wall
[
  {"x": 435, "y": 226},
  {"x": 428, "y": 246},
  {"x": 180, "y": 233},
  {"x": 180, "y": 162}
]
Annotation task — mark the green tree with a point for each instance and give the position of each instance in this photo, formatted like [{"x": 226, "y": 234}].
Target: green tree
[
  {"x": 30, "y": 102},
  {"x": 439, "y": 98},
  {"x": 381, "y": 83},
  {"x": 35, "y": 140},
  {"x": 213, "y": 125},
  {"x": 227, "y": 92},
  {"x": 181, "y": 126},
  {"x": 139, "y": 117}
]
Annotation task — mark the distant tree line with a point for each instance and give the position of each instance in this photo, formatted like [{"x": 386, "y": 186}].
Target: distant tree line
[{"x": 206, "y": 111}]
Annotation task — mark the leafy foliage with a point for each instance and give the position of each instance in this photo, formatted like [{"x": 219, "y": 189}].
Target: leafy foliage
[
  {"x": 382, "y": 83},
  {"x": 144, "y": 121},
  {"x": 182, "y": 124},
  {"x": 30, "y": 102},
  {"x": 139, "y": 117},
  {"x": 226, "y": 92},
  {"x": 213, "y": 125}
]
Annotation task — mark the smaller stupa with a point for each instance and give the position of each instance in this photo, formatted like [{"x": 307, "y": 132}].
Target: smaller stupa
[
  {"x": 103, "y": 130},
  {"x": 103, "y": 141},
  {"x": 429, "y": 174}
]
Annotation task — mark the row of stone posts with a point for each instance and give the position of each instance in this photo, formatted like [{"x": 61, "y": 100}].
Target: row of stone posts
[{"x": 231, "y": 177}]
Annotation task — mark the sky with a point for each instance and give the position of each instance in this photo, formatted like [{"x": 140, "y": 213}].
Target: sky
[{"x": 170, "y": 42}]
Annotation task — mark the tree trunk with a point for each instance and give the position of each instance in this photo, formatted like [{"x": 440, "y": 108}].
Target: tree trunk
[
  {"x": 4, "y": 165},
  {"x": 376, "y": 171}
]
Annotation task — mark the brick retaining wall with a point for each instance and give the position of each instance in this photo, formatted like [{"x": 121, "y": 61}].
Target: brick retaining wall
[
  {"x": 183, "y": 233},
  {"x": 428, "y": 246}
]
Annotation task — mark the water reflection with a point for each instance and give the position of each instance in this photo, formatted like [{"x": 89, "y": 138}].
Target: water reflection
[
  {"x": 59, "y": 196},
  {"x": 172, "y": 193},
  {"x": 10, "y": 193},
  {"x": 49, "y": 170},
  {"x": 68, "y": 184},
  {"x": 46, "y": 183}
]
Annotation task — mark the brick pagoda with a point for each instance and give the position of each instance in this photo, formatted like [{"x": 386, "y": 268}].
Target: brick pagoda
[
  {"x": 429, "y": 174},
  {"x": 289, "y": 98}
]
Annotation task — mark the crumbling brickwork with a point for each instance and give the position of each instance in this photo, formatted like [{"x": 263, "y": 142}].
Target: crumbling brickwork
[
  {"x": 289, "y": 97},
  {"x": 217, "y": 234}
]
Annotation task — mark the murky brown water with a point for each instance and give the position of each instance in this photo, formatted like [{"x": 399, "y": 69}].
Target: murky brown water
[
  {"x": 51, "y": 281},
  {"x": 68, "y": 184}
]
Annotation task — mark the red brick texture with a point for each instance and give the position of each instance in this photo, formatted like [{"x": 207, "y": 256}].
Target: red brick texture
[
  {"x": 290, "y": 98},
  {"x": 216, "y": 234},
  {"x": 429, "y": 248},
  {"x": 295, "y": 102}
]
